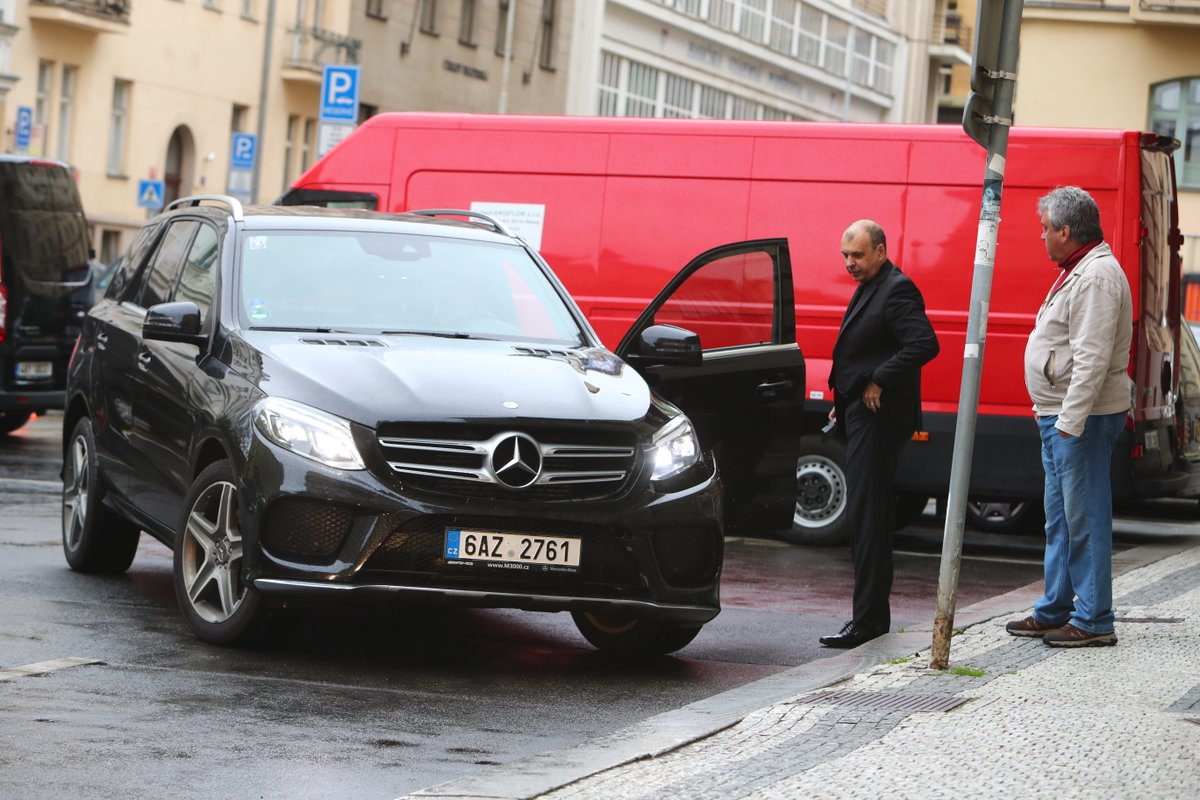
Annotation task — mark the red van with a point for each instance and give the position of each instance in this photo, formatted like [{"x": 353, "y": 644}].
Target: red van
[{"x": 615, "y": 203}]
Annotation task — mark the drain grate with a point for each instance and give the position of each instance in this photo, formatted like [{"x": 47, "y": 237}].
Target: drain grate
[
  {"x": 886, "y": 701},
  {"x": 1149, "y": 619}
]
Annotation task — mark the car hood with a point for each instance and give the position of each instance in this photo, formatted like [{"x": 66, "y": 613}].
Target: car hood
[{"x": 375, "y": 379}]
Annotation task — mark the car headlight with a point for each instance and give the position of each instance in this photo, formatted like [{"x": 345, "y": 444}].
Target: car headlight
[
  {"x": 674, "y": 448},
  {"x": 308, "y": 432}
]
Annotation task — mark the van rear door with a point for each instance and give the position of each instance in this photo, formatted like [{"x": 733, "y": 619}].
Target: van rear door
[
  {"x": 45, "y": 271},
  {"x": 745, "y": 398}
]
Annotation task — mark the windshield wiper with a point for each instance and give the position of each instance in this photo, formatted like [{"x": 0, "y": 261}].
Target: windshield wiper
[
  {"x": 295, "y": 328},
  {"x": 438, "y": 334}
]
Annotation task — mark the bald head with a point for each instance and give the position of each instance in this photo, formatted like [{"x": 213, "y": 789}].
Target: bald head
[{"x": 864, "y": 249}]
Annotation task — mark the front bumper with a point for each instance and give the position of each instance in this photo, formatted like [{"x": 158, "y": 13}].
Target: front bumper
[{"x": 316, "y": 534}]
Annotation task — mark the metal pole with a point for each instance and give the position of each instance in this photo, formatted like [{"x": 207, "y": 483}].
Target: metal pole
[
  {"x": 264, "y": 85},
  {"x": 508, "y": 37},
  {"x": 981, "y": 292}
]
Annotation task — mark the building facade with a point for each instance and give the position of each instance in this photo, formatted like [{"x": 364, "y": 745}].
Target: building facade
[{"x": 129, "y": 91}]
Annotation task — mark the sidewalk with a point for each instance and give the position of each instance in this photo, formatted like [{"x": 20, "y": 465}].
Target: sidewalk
[{"x": 1011, "y": 718}]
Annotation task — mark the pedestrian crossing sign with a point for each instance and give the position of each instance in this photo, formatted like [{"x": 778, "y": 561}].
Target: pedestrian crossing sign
[{"x": 150, "y": 194}]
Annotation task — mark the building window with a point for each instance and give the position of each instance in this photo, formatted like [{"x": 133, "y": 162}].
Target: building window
[
  {"x": 783, "y": 25},
  {"x": 1175, "y": 111},
  {"x": 375, "y": 9},
  {"x": 41, "y": 108},
  {"x": 610, "y": 85},
  {"x": 309, "y": 145},
  {"x": 248, "y": 9},
  {"x": 721, "y": 13},
  {"x": 546, "y": 47},
  {"x": 212, "y": 5},
  {"x": 885, "y": 55},
  {"x": 289, "y": 150},
  {"x": 429, "y": 16},
  {"x": 677, "y": 97},
  {"x": 810, "y": 34},
  {"x": 502, "y": 27},
  {"x": 752, "y": 22},
  {"x": 643, "y": 91},
  {"x": 118, "y": 122},
  {"x": 237, "y": 120},
  {"x": 837, "y": 35},
  {"x": 466, "y": 23},
  {"x": 66, "y": 105},
  {"x": 714, "y": 103}
]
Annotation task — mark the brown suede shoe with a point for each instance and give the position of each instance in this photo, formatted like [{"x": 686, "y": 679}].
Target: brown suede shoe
[
  {"x": 1031, "y": 627},
  {"x": 1070, "y": 636}
]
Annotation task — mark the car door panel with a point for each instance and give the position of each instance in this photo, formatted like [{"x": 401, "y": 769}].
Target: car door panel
[{"x": 745, "y": 398}]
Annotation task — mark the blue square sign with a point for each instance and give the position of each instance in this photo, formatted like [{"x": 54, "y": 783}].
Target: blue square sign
[
  {"x": 242, "y": 151},
  {"x": 150, "y": 194},
  {"x": 339, "y": 92}
]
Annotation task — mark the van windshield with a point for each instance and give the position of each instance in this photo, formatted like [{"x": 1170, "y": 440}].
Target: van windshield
[
  {"x": 399, "y": 283},
  {"x": 42, "y": 227}
]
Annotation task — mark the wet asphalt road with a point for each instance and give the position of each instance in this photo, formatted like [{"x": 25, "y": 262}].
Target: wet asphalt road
[{"x": 382, "y": 702}]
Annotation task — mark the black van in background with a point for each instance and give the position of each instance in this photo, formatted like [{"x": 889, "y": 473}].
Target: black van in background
[{"x": 45, "y": 279}]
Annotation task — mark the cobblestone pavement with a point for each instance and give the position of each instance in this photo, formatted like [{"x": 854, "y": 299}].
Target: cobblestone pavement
[
  {"x": 1037, "y": 722},
  {"x": 1033, "y": 721}
]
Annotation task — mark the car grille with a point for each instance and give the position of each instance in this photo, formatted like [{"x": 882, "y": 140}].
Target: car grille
[
  {"x": 607, "y": 565},
  {"x": 548, "y": 464},
  {"x": 305, "y": 531}
]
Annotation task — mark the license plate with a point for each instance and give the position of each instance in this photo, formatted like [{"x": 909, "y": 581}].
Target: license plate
[
  {"x": 31, "y": 370},
  {"x": 494, "y": 547}
]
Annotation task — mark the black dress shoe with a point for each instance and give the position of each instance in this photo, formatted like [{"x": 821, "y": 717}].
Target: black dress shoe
[{"x": 852, "y": 635}]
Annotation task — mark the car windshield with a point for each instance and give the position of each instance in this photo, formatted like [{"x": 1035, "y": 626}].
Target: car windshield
[{"x": 368, "y": 281}]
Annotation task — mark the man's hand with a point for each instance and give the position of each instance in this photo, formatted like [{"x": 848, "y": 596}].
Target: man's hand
[
  {"x": 871, "y": 396},
  {"x": 1065, "y": 435}
]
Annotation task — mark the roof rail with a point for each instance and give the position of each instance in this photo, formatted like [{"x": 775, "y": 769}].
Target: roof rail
[
  {"x": 471, "y": 216},
  {"x": 235, "y": 205}
]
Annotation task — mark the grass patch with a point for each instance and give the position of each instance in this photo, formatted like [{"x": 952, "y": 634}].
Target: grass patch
[
  {"x": 973, "y": 672},
  {"x": 900, "y": 660}
]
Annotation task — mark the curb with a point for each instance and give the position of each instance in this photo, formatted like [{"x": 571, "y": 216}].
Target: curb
[{"x": 530, "y": 777}]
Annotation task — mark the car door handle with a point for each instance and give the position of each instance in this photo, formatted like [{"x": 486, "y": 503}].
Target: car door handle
[
  {"x": 772, "y": 388},
  {"x": 101, "y": 341},
  {"x": 144, "y": 358}
]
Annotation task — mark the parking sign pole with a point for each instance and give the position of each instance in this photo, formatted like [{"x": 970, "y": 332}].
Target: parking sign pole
[{"x": 986, "y": 119}]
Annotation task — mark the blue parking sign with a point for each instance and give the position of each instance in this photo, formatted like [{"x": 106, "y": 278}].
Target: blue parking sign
[
  {"x": 339, "y": 92},
  {"x": 24, "y": 127},
  {"x": 242, "y": 151}
]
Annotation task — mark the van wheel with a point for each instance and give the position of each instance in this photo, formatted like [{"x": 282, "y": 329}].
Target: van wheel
[
  {"x": 631, "y": 636},
  {"x": 12, "y": 420},
  {"x": 95, "y": 538},
  {"x": 820, "y": 516},
  {"x": 218, "y": 605},
  {"x": 1012, "y": 516}
]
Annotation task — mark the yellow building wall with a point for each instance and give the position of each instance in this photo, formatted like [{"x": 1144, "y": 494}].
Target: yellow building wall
[{"x": 1091, "y": 74}]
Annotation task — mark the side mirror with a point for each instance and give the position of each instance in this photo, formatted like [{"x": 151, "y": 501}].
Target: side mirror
[
  {"x": 174, "y": 322},
  {"x": 667, "y": 344}
]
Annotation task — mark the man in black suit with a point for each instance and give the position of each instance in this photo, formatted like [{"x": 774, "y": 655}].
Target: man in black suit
[{"x": 884, "y": 340}]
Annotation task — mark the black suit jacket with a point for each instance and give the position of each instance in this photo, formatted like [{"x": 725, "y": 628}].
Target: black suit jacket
[{"x": 885, "y": 337}]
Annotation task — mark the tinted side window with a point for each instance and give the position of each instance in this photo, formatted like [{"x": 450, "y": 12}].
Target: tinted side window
[
  {"x": 198, "y": 281},
  {"x": 119, "y": 288},
  {"x": 167, "y": 263}
]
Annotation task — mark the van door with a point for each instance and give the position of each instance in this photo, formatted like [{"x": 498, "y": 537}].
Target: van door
[{"x": 746, "y": 396}]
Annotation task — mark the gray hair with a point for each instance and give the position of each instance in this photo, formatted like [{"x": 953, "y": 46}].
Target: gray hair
[{"x": 1074, "y": 208}]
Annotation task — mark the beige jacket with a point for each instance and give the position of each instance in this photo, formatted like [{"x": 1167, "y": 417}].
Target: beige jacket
[{"x": 1077, "y": 357}]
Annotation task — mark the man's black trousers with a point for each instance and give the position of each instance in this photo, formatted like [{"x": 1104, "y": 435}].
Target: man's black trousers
[{"x": 873, "y": 444}]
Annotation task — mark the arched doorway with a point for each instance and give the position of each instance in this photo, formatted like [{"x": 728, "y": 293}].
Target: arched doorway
[{"x": 179, "y": 171}]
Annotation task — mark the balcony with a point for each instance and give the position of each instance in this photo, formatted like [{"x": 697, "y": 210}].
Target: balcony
[
  {"x": 93, "y": 16},
  {"x": 951, "y": 39},
  {"x": 312, "y": 48},
  {"x": 1166, "y": 12}
]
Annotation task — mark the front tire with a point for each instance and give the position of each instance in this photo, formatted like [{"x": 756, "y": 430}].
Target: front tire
[
  {"x": 631, "y": 636},
  {"x": 95, "y": 538},
  {"x": 219, "y": 606}
]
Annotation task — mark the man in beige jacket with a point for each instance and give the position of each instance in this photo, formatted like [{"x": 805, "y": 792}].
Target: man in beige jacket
[{"x": 1076, "y": 371}]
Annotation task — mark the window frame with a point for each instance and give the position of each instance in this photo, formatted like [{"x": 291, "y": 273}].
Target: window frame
[{"x": 1187, "y": 170}]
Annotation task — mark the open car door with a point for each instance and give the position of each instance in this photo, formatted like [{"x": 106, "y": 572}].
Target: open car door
[{"x": 745, "y": 393}]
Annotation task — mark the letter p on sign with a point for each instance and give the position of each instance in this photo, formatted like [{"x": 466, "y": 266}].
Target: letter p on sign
[{"x": 339, "y": 92}]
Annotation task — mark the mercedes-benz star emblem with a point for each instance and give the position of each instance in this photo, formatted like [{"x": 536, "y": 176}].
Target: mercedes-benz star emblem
[{"x": 516, "y": 460}]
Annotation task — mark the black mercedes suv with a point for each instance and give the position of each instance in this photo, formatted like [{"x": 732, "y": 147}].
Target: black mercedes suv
[{"x": 310, "y": 404}]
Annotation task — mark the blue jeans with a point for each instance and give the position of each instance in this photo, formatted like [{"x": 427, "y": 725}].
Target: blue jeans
[{"x": 1079, "y": 524}]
